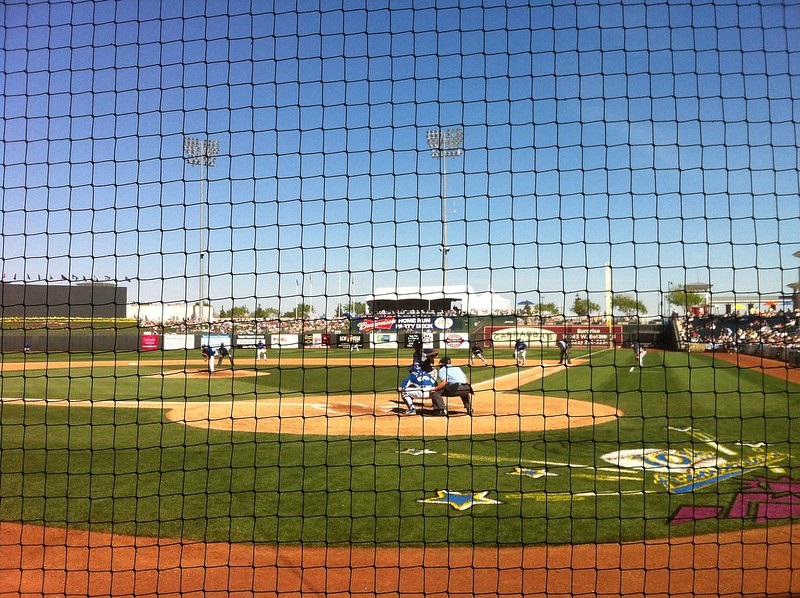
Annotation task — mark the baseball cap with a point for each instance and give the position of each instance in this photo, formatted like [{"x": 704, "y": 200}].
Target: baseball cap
[{"x": 444, "y": 361}]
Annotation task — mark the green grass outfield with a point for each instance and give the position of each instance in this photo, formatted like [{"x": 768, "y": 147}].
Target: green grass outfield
[{"x": 90, "y": 465}]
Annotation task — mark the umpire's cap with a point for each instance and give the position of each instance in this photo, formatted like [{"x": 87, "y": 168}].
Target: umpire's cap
[{"x": 444, "y": 361}]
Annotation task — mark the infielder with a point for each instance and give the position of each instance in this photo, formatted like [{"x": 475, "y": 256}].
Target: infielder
[
  {"x": 639, "y": 351},
  {"x": 520, "y": 351},
  {"x": 476, "y": 352},
  {"x": 563, "y": 346}
]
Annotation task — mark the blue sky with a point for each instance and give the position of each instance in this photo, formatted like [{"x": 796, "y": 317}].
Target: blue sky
[{"x": 660, "y": 137}]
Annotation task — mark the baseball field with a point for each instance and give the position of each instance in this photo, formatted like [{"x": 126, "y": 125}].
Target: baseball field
[{"x": 142, "y": 473}]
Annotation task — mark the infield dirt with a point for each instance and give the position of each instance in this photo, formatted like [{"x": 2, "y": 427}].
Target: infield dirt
[{"x": 499, "y": 406}]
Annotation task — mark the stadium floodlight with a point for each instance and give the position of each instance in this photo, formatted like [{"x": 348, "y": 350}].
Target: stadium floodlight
[
  {"x": 445, "y": 144},
  {"x": 202, "y": 153}
]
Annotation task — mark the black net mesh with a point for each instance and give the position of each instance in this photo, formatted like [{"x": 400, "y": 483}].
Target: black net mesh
[{"x": 380, "y": 298}]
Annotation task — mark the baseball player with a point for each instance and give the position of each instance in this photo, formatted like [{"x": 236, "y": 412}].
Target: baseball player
[
  {"x": 563, "y": 346},
  {"x": 261, "y": 351},
  {"x": 416, "y": 357},
  {"x": 476, "y": 352},
  {"x": 639, "y": 351},
  {"x": 520, "y": 351},
  {"x": 417, "y": 385},
  {"x": 223, "y": 353},
  {"x": 208, "y": 355}
]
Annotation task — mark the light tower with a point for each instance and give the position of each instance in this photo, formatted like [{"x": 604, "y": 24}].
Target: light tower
[
  {"x": 202, "y": 153},
  {"x": 445, "y": 144}
]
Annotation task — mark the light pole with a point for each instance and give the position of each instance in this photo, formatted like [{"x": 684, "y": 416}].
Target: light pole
[
  {"x": 445, "y": 144},
  {"x": 202, "y": 153}
]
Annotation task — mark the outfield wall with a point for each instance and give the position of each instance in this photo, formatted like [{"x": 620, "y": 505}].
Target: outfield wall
[
  {"x": 58, "y": 300},
  {"x": 109, "y": 339},
  {"x": 790, "y": 355},
  {"x": 71, "y": 341}
]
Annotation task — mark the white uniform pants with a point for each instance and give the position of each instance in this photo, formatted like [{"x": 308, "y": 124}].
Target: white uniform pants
[{"x": 414, "y": 393}]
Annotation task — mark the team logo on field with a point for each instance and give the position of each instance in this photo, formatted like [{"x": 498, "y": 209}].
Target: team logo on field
[
  {"x": 416, "y": 452},
  {"x": 686, "y": 470},
  {"x": 529, "y": 472},
  {"x": 664, "y": 460},
  {"x": 461, "y": 501}
]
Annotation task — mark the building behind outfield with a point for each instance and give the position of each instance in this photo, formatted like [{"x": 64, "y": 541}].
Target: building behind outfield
[
  {"x": 62, "y": 300},
  {"x": 461, "y": 299}
]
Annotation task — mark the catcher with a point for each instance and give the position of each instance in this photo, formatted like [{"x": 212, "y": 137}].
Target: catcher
[{"x": 417, "y": 386}]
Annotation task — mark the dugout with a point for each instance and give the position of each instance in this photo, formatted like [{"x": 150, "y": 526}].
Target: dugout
[{"x": 650, "y": 335}]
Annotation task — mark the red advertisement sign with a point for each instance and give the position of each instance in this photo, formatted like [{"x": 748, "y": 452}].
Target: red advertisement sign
[
  {"x": 368, "y": 324},
  {"x": 149, "y": 342}
]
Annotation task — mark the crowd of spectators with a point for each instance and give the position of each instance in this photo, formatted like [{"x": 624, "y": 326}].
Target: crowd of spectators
[
  {"x": 249, "y": 326},
  {"x": 263, "y": 326},
  {"x": 733, "y": 332},
  {"x": 452, "y": 313}
]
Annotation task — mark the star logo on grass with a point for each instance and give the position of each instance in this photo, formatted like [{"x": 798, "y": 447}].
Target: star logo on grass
[
  {"x": 416, "y": 452},
  {"x": 459, "y": 500},
  {"x": 529, "y": 472}
]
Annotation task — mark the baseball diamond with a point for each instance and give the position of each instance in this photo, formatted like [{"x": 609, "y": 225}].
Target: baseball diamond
[
  {"x": 442, "y": 298},
  {"x": 323, "y": 571}
]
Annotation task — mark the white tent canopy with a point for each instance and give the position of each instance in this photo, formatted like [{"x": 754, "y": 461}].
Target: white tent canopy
[{"x": 463, "y": 298}]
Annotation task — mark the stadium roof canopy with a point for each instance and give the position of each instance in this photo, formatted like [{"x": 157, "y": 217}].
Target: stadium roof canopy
[{"x": 435, "y": 299}]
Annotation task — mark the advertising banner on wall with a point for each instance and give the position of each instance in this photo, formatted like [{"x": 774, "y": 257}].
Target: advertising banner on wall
[
  {"x": 546, "y": 336},
  {"x": 397, "y": 323},
  {"x": 349, "y": 341},
  {"x": 316, "y": 340},
  {"x": 454, "y": 340},
  {"x": 384, "y": 340},
  {"x": 149, "y": 342},
  {"x": 248, "y": 341},
  {"x": 178, "y": 341},
  {"x": 215, "y": 340},
  {"x": 425, "y": 337},
  {"x": 285, "y": 341}
]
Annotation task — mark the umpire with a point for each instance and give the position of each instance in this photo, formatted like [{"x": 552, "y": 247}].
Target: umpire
[{"x": 453, "y": 382}]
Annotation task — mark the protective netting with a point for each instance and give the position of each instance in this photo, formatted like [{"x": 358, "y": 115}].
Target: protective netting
[{"x": 356, "y": 298}]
